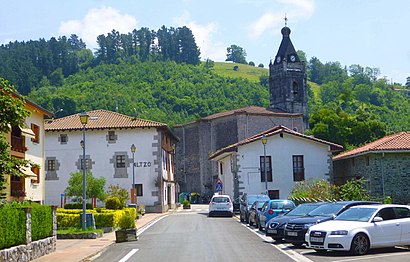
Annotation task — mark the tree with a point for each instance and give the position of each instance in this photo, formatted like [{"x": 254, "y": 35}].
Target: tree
[
  {"x": 95, "y": 186},
  {"x": 12, "y": 113},
  {"x": 354, "y": 190},
  {"x": 236, "y": 54},
  {"x": 119, "y": 192}
]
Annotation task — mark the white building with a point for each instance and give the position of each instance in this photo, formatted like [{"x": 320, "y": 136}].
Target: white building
[
  {"x": 109, "y": 137},
  {"x": 27, "y": 142},
  {"x": 290, "y": 157}
]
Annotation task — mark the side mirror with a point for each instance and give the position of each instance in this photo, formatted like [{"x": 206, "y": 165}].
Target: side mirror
[{"x": 377, "y": 219}]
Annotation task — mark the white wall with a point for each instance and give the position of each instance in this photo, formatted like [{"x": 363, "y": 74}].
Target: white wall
[
  {"x": 35, "y": 153},
  {"x": 101, "y": 152}
]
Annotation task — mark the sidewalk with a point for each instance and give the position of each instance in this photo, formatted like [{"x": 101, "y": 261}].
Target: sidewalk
[{"x": 75, "y": 250}]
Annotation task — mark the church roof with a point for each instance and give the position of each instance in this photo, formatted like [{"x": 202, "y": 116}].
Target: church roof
[
  {"x": 398, "y": 142},
  {"x": 277, "y": 130},
  {"x": 249, "y": 110},
  {"x": 100, "y": 119},
  {"x": 286, "y": 48}
]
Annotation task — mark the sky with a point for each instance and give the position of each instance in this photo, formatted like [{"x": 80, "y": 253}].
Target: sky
[{"x": 371, "y": 33}]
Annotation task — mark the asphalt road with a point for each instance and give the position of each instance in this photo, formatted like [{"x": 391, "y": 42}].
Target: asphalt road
[{"x": 193, "y": 236}]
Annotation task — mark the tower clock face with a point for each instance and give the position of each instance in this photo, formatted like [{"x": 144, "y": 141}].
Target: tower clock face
[
  {"x": 278, "y": 59},
  {"x": 292, "y": 58}
]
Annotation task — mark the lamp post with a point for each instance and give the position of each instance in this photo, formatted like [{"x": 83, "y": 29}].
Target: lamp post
[
  {"x": 133, "y": 149},
  {"x": 264, "y": 141},
  {"x": 84, "y": 119}
]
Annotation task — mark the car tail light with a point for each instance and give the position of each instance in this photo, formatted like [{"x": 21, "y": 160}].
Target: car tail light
[{"x": 270, "y": 212}]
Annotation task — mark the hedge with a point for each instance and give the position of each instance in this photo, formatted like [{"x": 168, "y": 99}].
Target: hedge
[
  {"x": 41, "y": 222},
  {"x": 12, "y": 226}
]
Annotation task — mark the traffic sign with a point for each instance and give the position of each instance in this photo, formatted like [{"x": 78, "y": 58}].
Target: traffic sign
[{"x": 219, "y": 185}]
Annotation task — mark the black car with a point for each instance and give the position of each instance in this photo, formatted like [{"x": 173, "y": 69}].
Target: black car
[
  {"x": 246, "y": 203},
  {"x": 276, "y": 226},
  {"x": 254, "y": 211},
  {"x": 296, "y": 228}
]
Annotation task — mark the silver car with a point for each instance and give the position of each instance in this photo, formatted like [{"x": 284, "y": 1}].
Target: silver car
[{"x": 220, "y": 205}]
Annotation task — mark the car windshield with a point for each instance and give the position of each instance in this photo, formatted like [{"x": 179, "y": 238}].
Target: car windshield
[
  {"x": 220, "y": 200},
  {"x": 362, "y": 214},
  {"x": 252, "y": 199},
  {"x": 281, "y": 205},
  {"x": 302, "y": 210},
  {"x": 326, "y": 210},
  {"x": 260, "y": 204}
]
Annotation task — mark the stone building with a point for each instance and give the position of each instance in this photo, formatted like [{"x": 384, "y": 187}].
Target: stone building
[
  {"x": 288, "y": 107},
  {"x": 384, "y": 164}
]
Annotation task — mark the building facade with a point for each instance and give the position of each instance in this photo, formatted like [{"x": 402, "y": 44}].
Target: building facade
[
  {"x": 290, "y": 157},
  {"x": 27, "y": 142},
  {"x": 384, "y": 164},
  {"x": 109, "y": 138}
]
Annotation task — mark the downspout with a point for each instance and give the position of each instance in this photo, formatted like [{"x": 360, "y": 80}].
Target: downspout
[{"x": 382, "y": 171}]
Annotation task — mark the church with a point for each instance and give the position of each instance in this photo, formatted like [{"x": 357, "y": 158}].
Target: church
[{"x": 194, "y": 171}]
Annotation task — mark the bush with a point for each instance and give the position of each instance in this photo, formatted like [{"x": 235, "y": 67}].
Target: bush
[
  {"x": 126, "y": 222},
  {"x": 113, "y": 202},
  {"x": 41, "y": 222},
  {"x": 78, "y": 206},
  {"x": 12, "y": 226}
]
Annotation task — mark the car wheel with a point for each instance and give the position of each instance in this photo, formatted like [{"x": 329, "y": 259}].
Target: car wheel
[
  {"x": 360, "y": 244},
  {"x": 320, "y": 250},
  {"x": 260, "y": 226},
  {"x": 250, "y": 222},
  {"x": 241, "y": 218},
  {"x": 209, "y": 214},
  {"x": 277, "y": 239}
]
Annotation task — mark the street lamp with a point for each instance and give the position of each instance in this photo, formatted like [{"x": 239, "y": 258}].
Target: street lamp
[
  {"x": 84, "y": 120},
  {"x": 264, "y": 141},
  {"x": 133, "y": 149}
]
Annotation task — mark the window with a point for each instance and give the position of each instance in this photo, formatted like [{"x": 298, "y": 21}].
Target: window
[
  {"x": 120, "y": 161},
  {"x": 273, "y": 194},
  {"x": 298, "y": 168},
  {"x": 367, "y": 161},
  {"x": 221, "y": 169},
  {"x": 139, "y": 189},
  {"x": 63, "y": 139},
  {"x": 36, "y": 170},
  {"x": 51, "y": 165},
  {"x": 268, "y": 168},
  {"x": 36, "y": 130},
  {"x": 87, "y": 163},
  {"x": 387, "y": 213},
  {"x": 111, "y": 136},
  {"x": 402, "y": 212}
]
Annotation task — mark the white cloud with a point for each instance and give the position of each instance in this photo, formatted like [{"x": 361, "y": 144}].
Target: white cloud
[
  {"x": 204, "y": 37},
  {"x": 96, "y": 22},
  {"x": 272, "y": 20}
]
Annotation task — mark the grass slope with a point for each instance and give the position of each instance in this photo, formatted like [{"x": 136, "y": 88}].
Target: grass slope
[{"x": 252, "y": 73}]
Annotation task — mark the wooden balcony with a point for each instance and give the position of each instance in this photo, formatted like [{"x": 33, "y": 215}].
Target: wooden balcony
[
  {"x": 18, "y": 147},
  {"x": 17, "y": 187}
]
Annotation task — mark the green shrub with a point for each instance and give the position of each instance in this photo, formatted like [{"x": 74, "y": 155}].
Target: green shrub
[
  {"x": 104, "y": 219},
  {"x": 41, "y": 222},
  {"x": 78, "y": 206},
  {"x": 126, "y": 222},
  {"x": 113, "y": 202},
  {"x": 65, "y": 220},
  {"x": 12, "y": 226}
]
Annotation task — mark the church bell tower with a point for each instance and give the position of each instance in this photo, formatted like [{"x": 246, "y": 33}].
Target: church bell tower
[{"x": 287, "y": 80}]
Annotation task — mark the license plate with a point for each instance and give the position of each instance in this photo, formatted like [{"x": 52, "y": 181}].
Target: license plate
[
  {"x": 316, "y": 239},
  {"x": 293, "y": 234},
  {"x": 273, "y": 231}
]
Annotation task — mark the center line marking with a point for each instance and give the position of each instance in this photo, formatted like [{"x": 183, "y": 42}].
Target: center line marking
[{"x": 132, "y": 252}]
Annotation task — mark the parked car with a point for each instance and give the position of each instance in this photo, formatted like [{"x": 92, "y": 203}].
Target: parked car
[
  {"x": 296, "y": 229},
  {"x": 363, "y": 227},
  {"x": 246, "y": 203},
  {"x": 273, "y": 208},
  {"x": 220, "y": 205},
  {"x": 254, "y": 212},
  {"x": 275, "y": 227}
]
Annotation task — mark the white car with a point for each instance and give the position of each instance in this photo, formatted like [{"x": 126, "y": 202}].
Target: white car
[
  {"x": 220, "y": 205},
  {"x": 362, "y": 227}
]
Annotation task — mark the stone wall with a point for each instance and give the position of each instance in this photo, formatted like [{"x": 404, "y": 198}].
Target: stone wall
[
  {"x": 386, "y": 174},
  {"x": 31, "y": 249}
]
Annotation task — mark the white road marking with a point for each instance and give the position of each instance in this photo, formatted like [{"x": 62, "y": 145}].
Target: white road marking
[
  {"x": 295, "y": 256},
  {"x": 369, "y": 257},
  {"x": 139, "y": 232},
  {"x": 132, "y": 252}
]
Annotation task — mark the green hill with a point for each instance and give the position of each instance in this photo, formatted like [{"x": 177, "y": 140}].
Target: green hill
[{"x": 252, "y": 73}]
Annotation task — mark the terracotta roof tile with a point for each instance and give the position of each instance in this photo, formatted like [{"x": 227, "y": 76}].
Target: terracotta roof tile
[
  {"x": 271, "y": 132},
  {"x": 256, "y": 110},
  {"x": 396, "y": 142},
  {"x": 99, "y": 119}
]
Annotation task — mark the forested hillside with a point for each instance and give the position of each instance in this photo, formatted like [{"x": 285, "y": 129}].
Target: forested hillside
[{"x": 158, "y": 76}]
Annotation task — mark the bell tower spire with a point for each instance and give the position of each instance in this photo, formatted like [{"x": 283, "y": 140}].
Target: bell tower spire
[{"x": 287, "y": 79}]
